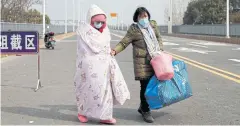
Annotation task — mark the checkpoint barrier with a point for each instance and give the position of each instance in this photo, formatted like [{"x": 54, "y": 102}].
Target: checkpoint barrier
[
  {"x": 25, "y": 43},
  {"x": 21, "y": 43},
  {"x": 41, "y": 42}
]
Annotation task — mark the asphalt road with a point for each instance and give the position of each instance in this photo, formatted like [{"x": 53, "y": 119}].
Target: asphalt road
[
  {"x": 221, "y": 55},
  {"x": 216, "y": 99}
]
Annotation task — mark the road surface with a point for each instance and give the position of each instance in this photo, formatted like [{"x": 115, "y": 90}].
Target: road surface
[{"x": 216, "y": 98}]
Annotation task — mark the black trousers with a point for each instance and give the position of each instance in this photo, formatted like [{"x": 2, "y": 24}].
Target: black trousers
[{"x": 144, "y": 104}]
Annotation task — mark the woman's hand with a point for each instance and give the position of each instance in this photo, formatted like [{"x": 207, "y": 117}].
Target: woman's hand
[{"x": 113, "y": 52}]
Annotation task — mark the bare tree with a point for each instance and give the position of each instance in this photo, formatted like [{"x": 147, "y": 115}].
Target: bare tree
[
  {"x": 166, "y": 16},
  {"x": 177, "y": 13},
  {"x": 15, "y": 10},
  {"x": 178, "y": 9}
]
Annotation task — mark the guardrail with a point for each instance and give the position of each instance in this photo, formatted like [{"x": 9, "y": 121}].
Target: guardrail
[
  {"x": 58, "y": 29},
  {"x": 212, "y": 30}
]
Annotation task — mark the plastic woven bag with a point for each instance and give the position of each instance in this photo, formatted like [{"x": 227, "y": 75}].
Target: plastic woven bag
[{"x": 163, "y": 93}]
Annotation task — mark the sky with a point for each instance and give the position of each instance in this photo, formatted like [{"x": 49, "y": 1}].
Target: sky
[{"x": 125, "y": 9}]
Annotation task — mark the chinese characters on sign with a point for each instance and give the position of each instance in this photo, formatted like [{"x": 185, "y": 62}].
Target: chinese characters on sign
[{"x": 17, "y": 42}]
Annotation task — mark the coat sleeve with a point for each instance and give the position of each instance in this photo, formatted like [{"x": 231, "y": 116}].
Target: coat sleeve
[
  {"x": 157, "y": 33},
  {"x": 128, "y": 38}
]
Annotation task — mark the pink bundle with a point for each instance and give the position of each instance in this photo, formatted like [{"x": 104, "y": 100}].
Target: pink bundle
[{"x": 162, "y": 65}]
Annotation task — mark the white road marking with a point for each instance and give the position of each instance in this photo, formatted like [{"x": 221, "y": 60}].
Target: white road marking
[
  {"x": 31, "y": 122},
  {"x": 183, "y": 49},
  {"x": 115, "y": 40},
  {"x": 169, "y": 43},
  {"x": 235, "y": 60},
  {"x": 117, "y": 35},
  {"x": 211, "y": 43},
  {"x": 198, "y": 45},
  {"x": 236, "y": 49},
  {"x": 76, "y": 40},
  {"x": 66, "y": 41}
]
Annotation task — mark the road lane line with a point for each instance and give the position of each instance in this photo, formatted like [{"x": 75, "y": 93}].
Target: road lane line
[
  {"x": 169, "y": 43},
  {"x": 115, "y": 40},
  {"x": 211, "y": 43},
  {"x": 235, "y": 60},
  {"x": 117, "y": 35},
  {"x": 211, "y": 67},
  {"x": 236, "y": 49},
  {"x": 184, "y": 49},
  {"x": 204, "y": 66},
  {"x": 62, "y": 41},
  {"x": 198, "y": 45},
  {"x": 211, "y": 71}
]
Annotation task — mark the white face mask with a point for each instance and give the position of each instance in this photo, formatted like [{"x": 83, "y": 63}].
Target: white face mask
[
  {"x": 144, "y": 22},
  {"x": 98, "y": 25}
]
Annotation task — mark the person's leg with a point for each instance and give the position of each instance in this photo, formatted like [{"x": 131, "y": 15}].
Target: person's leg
[
  {"x": 144, "y": 104},
  {"x": 144, "y": 107}
]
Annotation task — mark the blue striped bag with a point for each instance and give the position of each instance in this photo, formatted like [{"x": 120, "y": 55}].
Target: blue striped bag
[{"x": 163, "y": 93}]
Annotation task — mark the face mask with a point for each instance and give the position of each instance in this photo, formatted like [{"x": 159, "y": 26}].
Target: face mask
[
  {"x": 144, "y": 22},
  {"x": 98, "y": 25}
]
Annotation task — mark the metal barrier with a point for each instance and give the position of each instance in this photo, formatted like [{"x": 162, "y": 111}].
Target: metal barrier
[
  {"x": 214, "y": 30},
  {"x": 58, "y": 29}
]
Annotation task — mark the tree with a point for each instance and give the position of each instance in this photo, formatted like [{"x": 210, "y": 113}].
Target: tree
[
  {"x": 209, "y": 12},
  {"x": 47, "y": 19},
  {"x": 235, "y": 17},
  {"x": 192, "y": 13},
  {"x": 205, "y": 12},
  {"x": 235, "y": 4},
  {"x": 166, "y": 15},
  {"x": 35, "y": 17},
  {"x": 18, "y": 11}
]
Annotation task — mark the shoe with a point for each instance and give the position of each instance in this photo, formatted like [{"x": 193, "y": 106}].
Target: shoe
[
  {"x": 82, "y": 118},
  {"x": 147, "y": 117},
  {"x": 111, "y": 122}
]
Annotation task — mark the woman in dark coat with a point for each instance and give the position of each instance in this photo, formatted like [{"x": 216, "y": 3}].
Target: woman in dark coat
[{"x": 141, "y": 58}]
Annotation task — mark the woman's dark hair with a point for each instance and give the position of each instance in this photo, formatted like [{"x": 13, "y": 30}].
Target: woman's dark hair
[{"x": 139, "y": 11}]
